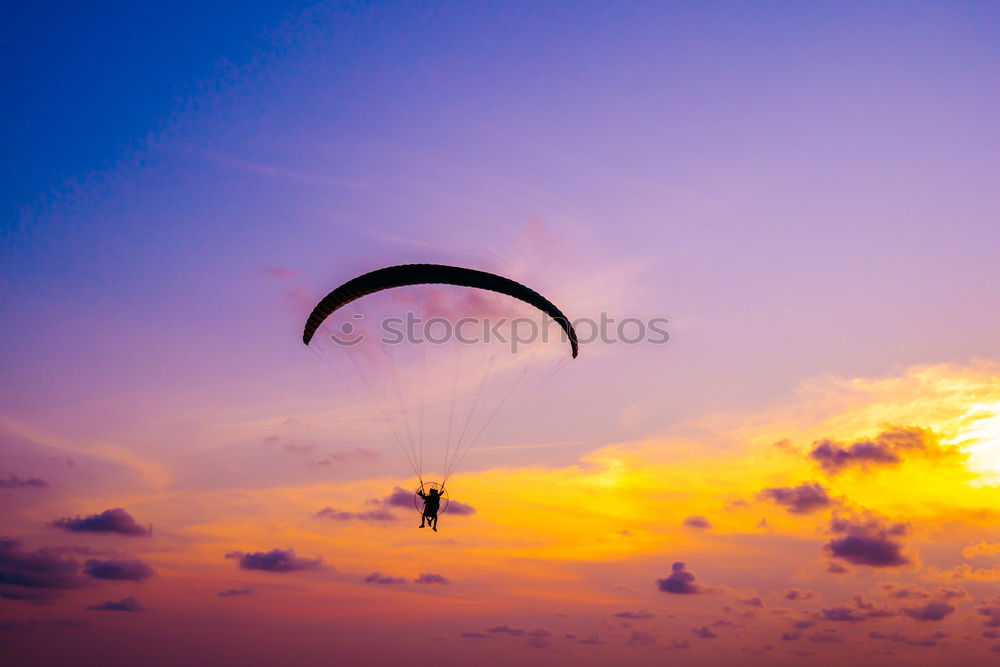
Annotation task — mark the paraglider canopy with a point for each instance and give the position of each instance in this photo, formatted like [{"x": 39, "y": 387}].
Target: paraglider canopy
[{"x": 450, "y": 393}]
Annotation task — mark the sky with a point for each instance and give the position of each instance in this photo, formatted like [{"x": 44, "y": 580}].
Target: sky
[{"x": 805, "y": 471}]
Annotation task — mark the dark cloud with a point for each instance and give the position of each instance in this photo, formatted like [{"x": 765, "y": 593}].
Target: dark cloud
[
  {"x": 886, "y": 449},
  {"x": 790, "y": 636},
  {"x": 802, "y": 499},
  {"x": 15, "y": 482},
  {"x": 506, "y": 630},
  {"x": 235, "y": 592},
  {"x": 275, "y": 560},
  {"x": 680, "y": 581},
  {"x": 836, "y": 568},
  {"x": 868, "y": 541},
  {"x": 680, "y": 643},
  {"x": 592, "y": 640},
  {"x": 796, "y": 594},
  {"x": 26, "y": 574},
  {"x": 431, "y": 578},
  {"x": 377, "y": 578},
  {"x": 114, "y": 520},
  {"x": 932, "y": 611},
  {"x": 125, "y": 604},
  {"x": 849, "y": 614},
  {"x": 378, "y": 514},
  {"x": 635, "y": 615},
  {"x": 474, "y": 635},
  {"x": 399, "y": 498},
  {"x": 755, "y": 601},
  {"x": 704, "y": 632},
  {"x": 118, "y": 570},
  {"x": 991, "y": 610},
  {"x": 696, "y": 521}
]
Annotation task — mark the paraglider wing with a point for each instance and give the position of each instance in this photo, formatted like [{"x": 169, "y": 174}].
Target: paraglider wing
[{"x": 424, "y": 274}]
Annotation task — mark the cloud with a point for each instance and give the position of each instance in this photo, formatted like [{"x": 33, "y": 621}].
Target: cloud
[
  {"x": 431, "y": 578},
  {"x": 275, "y": 560},
  {"x": 378, "y": 514},
  {"x": 680, "y": 581},
  {"x": 695, "y": 521},
  {"x": 376, "y": 578},
  {"x": 796, "y": 594},
  {"x": 125, "y": 604},
  {"x": 802, "y": 499},
  {"x": 828, "y": 636},
  {"x": 27, "y": 574},
  {"x": 992, "y": 611},
  {"x": 114, "y": 520},
  {"x": 474, "y": 635},
  {"x": 235, "y": 592},
  {"x": 984, "y": 548},
  {"x": 506, "y": 630},
  {"x": 635, "y": 615},
  {"x": 640, "y": 638},
  {"x": 932, "y": 611},
  {"x": 886, "y": 449},
  {"x": 15, "y": 482},
  {"x": 704, "y": 632},
  {"x": 118, "y": 570},
  {"x": 868, "y": 541},
  {"x": 402, "y": 498}
]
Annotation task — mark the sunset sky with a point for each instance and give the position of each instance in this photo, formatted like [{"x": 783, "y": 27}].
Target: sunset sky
[{"x": 807, "y": 472}]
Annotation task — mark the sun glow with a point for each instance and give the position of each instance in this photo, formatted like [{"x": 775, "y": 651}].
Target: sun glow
[{"x": 980, "y": 439}]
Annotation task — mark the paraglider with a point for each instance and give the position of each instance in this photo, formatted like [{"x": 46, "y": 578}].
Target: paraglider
[{"x": 394, "y": 370}]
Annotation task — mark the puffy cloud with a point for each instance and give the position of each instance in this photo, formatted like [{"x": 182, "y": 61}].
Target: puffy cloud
[
  {"x": 680, "y": 581},
  {"x": 696, "y": 521},
  {"x": 275, "y": 560},
  {"x": 28, "y": 574},
  {"x": 403, "y": 498},
  {"x": 431, "y": 578},
  {"x": 754, "y": 601},
  {"x": 118, "y": 570},
  {"x": 868, "y": 541},
  {"x": 704, "y": 632},
  {"x": 506, "y": 630},
  {"x": 802, "y": 499},
  {"x": 932, "y": 611},
  {"x": 635, "y": 615},
  {"x": 887, "y": 448},
  {"x": 377, "y": 578},
  {"x": 983, "y": 549},
  {"x": 234, "y": 592},
  {"x": 114, "y": 520},
  {"x": 15, "y": 482},
  {"x": 125, "y": 604}
]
